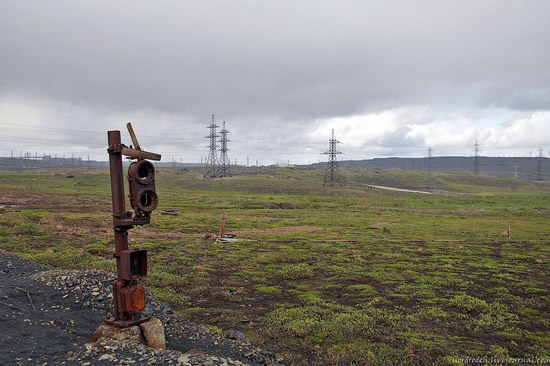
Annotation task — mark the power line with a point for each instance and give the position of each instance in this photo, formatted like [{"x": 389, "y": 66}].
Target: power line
[
  {"x": 41, "y": 129},
  {"x": 110, "y": 113},
  {"x": 53, "y": 129},
  {"x": 25, "y": 139}
]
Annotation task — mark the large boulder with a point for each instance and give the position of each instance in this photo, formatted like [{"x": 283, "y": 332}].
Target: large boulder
[
  {"x": 106, "y": 333},
  {"x": 151, "y": 333}
]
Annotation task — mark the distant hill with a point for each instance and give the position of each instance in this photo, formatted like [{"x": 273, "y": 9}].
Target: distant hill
[
  {"x": 526, "y": 167},
  {"x": 48, "y": 162}
]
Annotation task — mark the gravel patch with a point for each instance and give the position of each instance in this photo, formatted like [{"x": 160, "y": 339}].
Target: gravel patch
[{"x": 68, "y": 307}]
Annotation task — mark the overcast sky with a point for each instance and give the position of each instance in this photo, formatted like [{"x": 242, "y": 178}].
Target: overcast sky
[{"x": 390, "y": 77}]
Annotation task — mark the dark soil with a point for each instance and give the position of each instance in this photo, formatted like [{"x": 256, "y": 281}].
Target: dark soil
[{"x": 48, "y": 318}]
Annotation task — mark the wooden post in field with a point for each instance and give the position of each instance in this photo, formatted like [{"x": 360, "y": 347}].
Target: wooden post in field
[{"x": 222, "y": 226}]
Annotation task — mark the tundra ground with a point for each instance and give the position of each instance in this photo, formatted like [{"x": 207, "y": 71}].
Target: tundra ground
[{"x": 323, "y": 275}]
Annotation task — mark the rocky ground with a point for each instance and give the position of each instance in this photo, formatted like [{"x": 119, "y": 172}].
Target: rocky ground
[{"x": 48, "y": 318}]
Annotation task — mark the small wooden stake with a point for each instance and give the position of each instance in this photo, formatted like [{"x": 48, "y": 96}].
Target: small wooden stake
[{"x": 222, "y": 226}]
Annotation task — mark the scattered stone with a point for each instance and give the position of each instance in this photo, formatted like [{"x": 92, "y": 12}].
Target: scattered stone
[
  {"x": 202, "y": 329},
  {"x": 148, "y": 311},
  {"x": 183, "y": 359},
  {"x": 236, "y": 335},
  {"x": 153, "y": 332},
  {"x": 195, "y": 352},
  {"x": 92, "y": 288},
  {"x": 105, "y": 357}
]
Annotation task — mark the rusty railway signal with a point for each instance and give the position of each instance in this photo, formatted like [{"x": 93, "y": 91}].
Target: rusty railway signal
[
  {"x": 141, "y": 176},
  {"x": 128, "y": 294}
]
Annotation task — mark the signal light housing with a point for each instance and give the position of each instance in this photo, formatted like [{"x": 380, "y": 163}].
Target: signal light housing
[
  {"x": 133, "y": 299},
  {"x": 143, "y": 197},
  {"x": 133, "y": 264}
]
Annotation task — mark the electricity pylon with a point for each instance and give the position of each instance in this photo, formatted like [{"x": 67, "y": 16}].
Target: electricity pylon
[
  {"x": 332, "y": 174},
  {"x": 539, "y": 165},
  {"x": 211, "y": 160},
  {"x": 476, "y": 157},
  {"x": 430, "y": 150},
  {"x": 224, "y": 163}
]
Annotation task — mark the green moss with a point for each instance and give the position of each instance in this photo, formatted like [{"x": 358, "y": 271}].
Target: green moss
[
  {"x": 66, "y": 258},
  {"x": 469, "y": 303},
  {"x": 363, "y": 290},
  {"x": 215, "y": 330},
  {"x": 295, "y": 271},
  {"x": 268, "y": 289},
  {"x": 178, "y": 300}
]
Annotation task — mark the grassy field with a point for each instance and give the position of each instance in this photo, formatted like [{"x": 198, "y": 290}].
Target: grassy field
[{"x": 322, "y": 275}]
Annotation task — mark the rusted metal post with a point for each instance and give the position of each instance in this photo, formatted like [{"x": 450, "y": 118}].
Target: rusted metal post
[
  {"x": 117, "y": 193},
  {"x": 128, "y": 296}
]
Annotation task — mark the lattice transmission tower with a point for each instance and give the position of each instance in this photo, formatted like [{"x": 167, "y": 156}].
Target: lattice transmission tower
[
  {"x": 224, "y": 163},
  {"x": 476, "y": 157},
  {"x": 539, "y": 165},
  {"x": 212, "y": 160},
  {"x": 332, "y": 173},
  {"x": 430, "y": 151}
]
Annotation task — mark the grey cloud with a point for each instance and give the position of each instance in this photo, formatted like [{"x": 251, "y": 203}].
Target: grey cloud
[
  {"x": 281, "y": 60},
  {"x": 397, "y": 138},
  {"x": 271, "y": 68}
]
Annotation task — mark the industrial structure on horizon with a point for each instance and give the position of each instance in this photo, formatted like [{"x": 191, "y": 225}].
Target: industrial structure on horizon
[
  {"x": 214, "y": 166},
  {"x": 212, "y": 159},
  {"x": 218, "y": 164},
  {"x": 476, "y": 157},
  {"x": 430, "y": 151},
  {"x": 224, "y": 163},
  {"x": 332, "y": 173}
]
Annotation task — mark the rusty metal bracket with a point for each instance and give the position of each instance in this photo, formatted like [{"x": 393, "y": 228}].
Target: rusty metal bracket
[
  {"x": 139, "y": 154},
  {"x": 115, "y": 148},
  {"x": 130, "y": 222}
]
